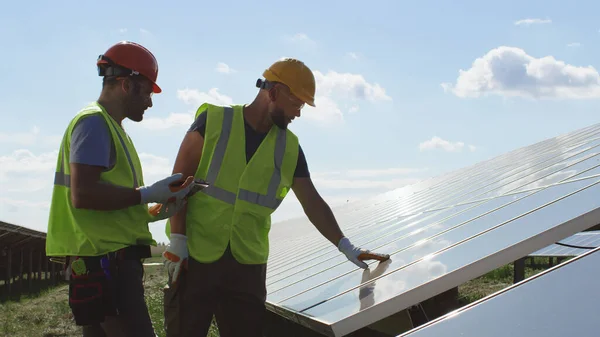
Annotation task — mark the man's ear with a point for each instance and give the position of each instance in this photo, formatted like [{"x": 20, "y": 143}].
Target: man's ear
[
  {"x": 273, "y": 94},
  {"x": 129, "y": 86},
  {"x": 125, "y": 86}
]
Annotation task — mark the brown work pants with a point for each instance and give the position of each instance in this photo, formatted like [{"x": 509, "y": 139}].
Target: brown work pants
[
  {"x": 133, "y": 318},
  {"x": 234, "y": 293}
]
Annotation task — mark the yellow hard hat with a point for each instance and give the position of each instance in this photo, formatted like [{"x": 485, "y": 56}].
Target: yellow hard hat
[{"x": 296, "y": 75}]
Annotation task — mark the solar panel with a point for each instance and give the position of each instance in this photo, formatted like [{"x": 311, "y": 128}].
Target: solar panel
[
  {"x": 561, "y": 301},
  {"x": 589, "y": 239},
  {"x": 440, "y": 233}
]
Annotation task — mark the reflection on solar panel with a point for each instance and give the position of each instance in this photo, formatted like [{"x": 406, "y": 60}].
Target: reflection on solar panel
[
  {"x": 562, "y": 301},
  {"x": 585, "y": 239},
  {"x": 440, "y": 233}
]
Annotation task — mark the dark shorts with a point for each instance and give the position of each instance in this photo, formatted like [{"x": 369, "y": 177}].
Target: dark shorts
[
  {"x": 111, "y": 304},
  {"x": 234, "y": 293}
]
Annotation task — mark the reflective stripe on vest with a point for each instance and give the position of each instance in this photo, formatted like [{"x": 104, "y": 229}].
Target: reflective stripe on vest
[
  {"x": 270, "y": 200},
  {"x": 62, "y": 179}
]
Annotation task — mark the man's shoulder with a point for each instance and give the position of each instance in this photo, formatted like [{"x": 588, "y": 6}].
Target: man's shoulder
[
  {"x": 91, "y": 128},
  {"x": 90, "y": 122},
  {"x": 218, "y": 108}
]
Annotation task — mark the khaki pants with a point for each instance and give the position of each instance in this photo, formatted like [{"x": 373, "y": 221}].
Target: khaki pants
[{"x": 234, "y": 293}]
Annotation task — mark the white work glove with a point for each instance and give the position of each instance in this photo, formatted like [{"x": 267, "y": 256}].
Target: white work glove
[
  {"x": 160, "y": 191},
  {"x": 176, "y": 256},
  {"x": 352, "y": 252},
  {"x": 168, "y": 210}
]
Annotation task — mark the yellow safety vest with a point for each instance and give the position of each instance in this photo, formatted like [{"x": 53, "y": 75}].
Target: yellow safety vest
[
  {"x": 236, "y": 208},
  {"x": 84, "y": 232}
]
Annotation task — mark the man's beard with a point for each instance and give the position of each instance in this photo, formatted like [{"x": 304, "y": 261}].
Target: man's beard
[
  {"x": 279, "y": 119},
  {"x": 134, "y": 108}
]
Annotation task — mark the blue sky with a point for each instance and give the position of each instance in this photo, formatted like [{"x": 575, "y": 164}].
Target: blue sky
[{"x": 392, "y": 104}]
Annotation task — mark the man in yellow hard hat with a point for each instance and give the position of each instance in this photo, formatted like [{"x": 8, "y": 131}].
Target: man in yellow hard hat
[{"x": 251, "y": 160}]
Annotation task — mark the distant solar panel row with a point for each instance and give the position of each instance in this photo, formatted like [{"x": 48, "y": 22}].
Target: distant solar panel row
[
  {"x": 559, "y": 302},
  {"x": 440, "y": 233},
  {"x": 589, "y": 239}
]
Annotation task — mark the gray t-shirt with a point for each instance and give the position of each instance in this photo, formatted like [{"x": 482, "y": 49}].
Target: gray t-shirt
[{"x": 91, "y": 143}]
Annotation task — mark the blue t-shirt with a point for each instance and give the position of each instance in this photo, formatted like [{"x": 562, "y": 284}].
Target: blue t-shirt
[{"x": 91, "y": 143}]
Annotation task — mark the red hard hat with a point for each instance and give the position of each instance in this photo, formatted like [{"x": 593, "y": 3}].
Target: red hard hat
[{"x": 132, "y": 56}]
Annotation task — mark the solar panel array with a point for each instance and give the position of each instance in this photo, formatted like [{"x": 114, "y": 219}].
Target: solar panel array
[
  {"x": 560, "y": 302},
  {"x": 440, "y": 233},
  {"x": 589, "y": 240}
]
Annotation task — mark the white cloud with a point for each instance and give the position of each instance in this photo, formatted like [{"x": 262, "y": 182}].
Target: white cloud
[
  {"x": 24, "y": 171},
  {"x": 15, "y": 204},
  {"x": 20, "y": 138},
  {"x": 189, "y": 96},
  {"x": 155, "y": 167},
  {"x": 196, "y": 97},
  {"x": 300, "y": 38},
  {"x": 326, "y": 111},
  {"x": 144, "y": 31},
  {"x": 439, "y": 143},
  {"x": 26, "y": 181},
  {"x": 26, "y": 164},
  {"x": 123, "y": 30},
  {"x": 529, "y": 22},
  {"x": 224, "y": 68},
  {"x": 30, "y": 138},
  {"x": 352, "y": 86},
  {"x": 332, "y": 86},
  {"x": 574, "y": 44},
  {"x": 511, "y": 72},
  {"x": 353, "y": 55},
  {"x": 173, "y": 120}
]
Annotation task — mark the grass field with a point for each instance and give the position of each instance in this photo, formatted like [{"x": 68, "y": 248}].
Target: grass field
[{"x": 48, "y": 314}]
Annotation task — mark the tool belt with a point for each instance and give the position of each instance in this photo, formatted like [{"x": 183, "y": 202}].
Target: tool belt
[{"x": 93, "y": 283}]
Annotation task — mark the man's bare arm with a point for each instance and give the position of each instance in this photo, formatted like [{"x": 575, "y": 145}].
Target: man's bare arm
[
  {"x": 188, "y": 158},
  {"x": 87, "y": 191},
  {"x": 317, "y": 210}
]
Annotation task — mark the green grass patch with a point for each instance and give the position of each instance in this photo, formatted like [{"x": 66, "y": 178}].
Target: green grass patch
[
  {"x": 492, "y": 282},
  {"x": 47, "y": 314}
]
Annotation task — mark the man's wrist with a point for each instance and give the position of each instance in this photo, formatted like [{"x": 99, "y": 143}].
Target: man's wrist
[
  {"x": 143, "y": 192},
  {"x": 178, "y": 237},
  {"x": 343, "y": 244}
]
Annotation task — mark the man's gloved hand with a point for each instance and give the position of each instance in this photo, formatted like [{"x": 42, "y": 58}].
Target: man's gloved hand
[
  {"x": 176, "y": 256},
  {"x": 166, "y": 190},
  {"x": 165, "y": 211},
  {"x": 351, "y": 252},
  {"x": 358, "y": 255}
]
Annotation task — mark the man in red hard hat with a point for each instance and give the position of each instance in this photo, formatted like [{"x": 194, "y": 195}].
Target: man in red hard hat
[{"x": 99, "y": 212}]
